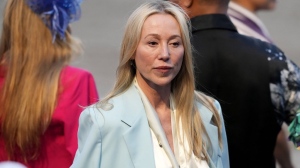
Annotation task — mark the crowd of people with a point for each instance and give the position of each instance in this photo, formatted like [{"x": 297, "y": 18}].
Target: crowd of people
[{"x": 192, "y": 90}]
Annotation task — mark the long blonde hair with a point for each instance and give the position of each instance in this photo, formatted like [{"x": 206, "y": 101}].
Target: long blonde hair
[
  {"x": 183, "y": 84},
  {"x": 31, "y": 88}
]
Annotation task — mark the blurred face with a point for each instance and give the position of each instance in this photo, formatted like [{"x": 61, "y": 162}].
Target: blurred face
[{"x": 160, "y": 51}]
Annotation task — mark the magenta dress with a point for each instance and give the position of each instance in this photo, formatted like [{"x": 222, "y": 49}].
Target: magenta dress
[{"x": 59, "y": 143}]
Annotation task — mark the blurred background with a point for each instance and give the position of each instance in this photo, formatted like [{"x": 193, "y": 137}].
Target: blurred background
[{"x": 102, "y": 24}]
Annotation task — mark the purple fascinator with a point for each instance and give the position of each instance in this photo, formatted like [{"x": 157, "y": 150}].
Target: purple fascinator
[{"x": 56, "y": 14}]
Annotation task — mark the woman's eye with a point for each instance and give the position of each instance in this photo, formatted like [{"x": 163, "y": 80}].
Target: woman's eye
[
  {"x": 175, "y": 44},
  {"x": 152, "y": 43}
]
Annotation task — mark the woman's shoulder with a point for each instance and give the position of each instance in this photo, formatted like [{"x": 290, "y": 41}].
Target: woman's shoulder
[
  {"x": 73, "y": 77},
  {"x": 71, "y": 70},
  {"x": 204, "y": 98},
  {"x": 109, "y": 110},
  {"x": 79, "y": 84},
  {"x": 207, "y": 101},
  {"x": 106, "y": 117}
]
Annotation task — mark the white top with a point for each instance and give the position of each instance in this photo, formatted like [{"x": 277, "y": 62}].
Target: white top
[
  {"x": 238, "y": 13},
  {"x": 163, "y": 155},
  {"x": 11, "y": 164}
]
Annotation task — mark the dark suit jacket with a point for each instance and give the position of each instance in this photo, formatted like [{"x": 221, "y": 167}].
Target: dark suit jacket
[{"x": 236, "y": 70}]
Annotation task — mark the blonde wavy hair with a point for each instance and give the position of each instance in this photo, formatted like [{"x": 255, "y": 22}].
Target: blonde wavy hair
[
  {"x": 32, "y": 64},
  {"x": 182, "y": 85}
]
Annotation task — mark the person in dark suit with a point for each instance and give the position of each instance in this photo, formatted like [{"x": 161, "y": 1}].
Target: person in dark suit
[
  {"x": 250, "y": 78},
  {"x": 243, "y": 14}
]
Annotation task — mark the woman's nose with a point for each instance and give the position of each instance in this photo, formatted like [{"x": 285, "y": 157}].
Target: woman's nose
[{"x": 164, "y": 53}]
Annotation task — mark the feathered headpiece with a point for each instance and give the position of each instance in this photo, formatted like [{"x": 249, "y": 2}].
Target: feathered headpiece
[{"x": 56, "y": 14}]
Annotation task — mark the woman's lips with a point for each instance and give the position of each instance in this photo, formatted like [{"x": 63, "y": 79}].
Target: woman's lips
[{"x": 163, "y": 69}]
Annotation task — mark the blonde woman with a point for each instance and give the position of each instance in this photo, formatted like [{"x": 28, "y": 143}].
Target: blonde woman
[
  {"x": 41, "y": 97},
  {"x": 153, "y": 117}
]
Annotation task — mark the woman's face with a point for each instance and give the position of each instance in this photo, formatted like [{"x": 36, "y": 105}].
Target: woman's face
[{"x": 160, "y": 51}]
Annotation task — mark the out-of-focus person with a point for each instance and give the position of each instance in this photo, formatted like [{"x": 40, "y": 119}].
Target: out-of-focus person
[
  {"x": 41, "y": 96},
  {"x": 257, "y": 86},
  {"x": 243, "y": 14}
]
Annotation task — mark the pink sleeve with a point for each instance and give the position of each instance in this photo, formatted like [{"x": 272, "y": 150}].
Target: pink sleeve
[{"x": 78, "y": 91}]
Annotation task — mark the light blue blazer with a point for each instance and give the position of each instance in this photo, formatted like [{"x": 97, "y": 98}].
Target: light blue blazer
[{"x": 121, "y": 138}]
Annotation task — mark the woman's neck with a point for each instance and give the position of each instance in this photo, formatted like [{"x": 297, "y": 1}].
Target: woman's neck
[{"x": 158, "y": 95}]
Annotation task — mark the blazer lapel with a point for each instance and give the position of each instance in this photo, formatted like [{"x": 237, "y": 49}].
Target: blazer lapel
[
  {"x": 138, "y": 137},
  {"x": 212, "y": 132}
]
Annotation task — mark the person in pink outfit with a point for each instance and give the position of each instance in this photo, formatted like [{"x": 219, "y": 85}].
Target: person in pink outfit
[{"x": 41, "y": 96}]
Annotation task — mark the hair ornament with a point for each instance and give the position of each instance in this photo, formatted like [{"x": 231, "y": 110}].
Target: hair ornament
[{"x": 56, "y": 14}]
